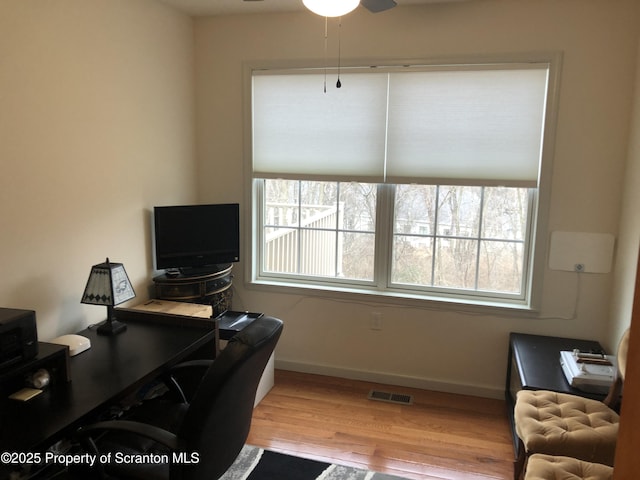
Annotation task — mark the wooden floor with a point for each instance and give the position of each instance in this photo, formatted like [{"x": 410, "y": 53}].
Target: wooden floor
[{"x": 440, "y": 436}]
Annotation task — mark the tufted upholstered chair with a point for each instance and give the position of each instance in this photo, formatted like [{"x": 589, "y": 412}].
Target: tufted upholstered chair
[
  {"x": 548, "y": 467},
  {"x": 569, "y": 425}
]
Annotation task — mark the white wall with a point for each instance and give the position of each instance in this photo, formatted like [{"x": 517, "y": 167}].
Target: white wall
[
  {"x": 438, "y": 346},
  {"x": 96, "y": 126},
  {"x": 629, "y": 236},
  {"x": 97, "y": 107}
]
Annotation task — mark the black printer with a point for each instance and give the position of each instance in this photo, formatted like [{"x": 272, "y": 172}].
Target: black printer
[{"x": 18, "y": 336}]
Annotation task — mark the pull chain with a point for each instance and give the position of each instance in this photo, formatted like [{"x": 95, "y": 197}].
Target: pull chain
[
  {"x": 326, "y": 20},
  {"x": 339, "y": 83},
  {"x": 326, "y": 49}
]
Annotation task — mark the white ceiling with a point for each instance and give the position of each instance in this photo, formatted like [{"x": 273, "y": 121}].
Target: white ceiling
[{"x": 224, "y": 7}]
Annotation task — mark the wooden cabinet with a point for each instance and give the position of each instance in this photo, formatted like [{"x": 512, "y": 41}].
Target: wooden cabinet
[
  {"x": 211, "y": 288},
  {"x": 627, "y": 462},
  {"x": 51, "y": 357}
]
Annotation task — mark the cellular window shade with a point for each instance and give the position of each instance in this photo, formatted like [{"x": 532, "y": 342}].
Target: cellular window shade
[
  {"x": 466, "y": 126},
  {"x": 301, "y": 132},
  {"x": 435, "y": 125}
]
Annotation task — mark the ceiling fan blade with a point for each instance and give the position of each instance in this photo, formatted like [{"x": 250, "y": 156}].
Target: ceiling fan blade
[{"x": 376, "y": 6}]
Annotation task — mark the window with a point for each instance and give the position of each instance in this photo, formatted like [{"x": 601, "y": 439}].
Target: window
[
  {"x": 322, "y": 229},
  {"x": 421, "y": 181},
  {"x": 460, "y": 237}
]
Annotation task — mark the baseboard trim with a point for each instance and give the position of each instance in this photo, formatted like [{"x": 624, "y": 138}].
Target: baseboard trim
[{"x": 390, "y": 379}]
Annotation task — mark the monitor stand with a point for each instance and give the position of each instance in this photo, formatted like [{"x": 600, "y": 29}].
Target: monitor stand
[
  {"x": 201, "y": 271},
  {"x": 213, "y": 288}
]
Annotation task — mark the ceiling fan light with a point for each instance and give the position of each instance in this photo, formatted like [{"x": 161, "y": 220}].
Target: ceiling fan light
[{"x": 331, "y": 8}]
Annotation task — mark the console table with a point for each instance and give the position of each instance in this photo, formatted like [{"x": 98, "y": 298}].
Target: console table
[{"x": 534, "y": 364}]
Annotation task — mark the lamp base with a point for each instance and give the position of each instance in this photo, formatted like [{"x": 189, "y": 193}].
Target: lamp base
[{"x": 111, "y": 327}]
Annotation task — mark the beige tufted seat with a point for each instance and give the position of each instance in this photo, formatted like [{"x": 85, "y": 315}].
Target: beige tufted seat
[
  {"x": 569, "y": 425},
  {"x": 564, "y": 424},
  {"x": 547, "y": 467}
]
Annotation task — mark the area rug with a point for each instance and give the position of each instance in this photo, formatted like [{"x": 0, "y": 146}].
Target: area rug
[{"x": 255, "y": 463}]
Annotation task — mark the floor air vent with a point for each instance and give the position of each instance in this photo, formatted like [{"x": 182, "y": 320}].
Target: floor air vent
[{"x": 390, "y": 397}]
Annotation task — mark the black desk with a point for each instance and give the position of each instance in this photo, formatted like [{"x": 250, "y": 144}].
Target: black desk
[
  {"x": 110, "y": 370},
  {"x": 534, "y": 364}
]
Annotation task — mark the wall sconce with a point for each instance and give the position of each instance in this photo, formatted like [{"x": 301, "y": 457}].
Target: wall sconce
[{"x": 108, "y": 285}]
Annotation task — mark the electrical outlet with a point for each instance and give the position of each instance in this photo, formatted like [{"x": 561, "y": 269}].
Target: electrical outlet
[{"x": 376, "y": 321}]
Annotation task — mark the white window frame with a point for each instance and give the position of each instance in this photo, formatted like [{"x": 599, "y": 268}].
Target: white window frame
[
  {"x": 461, "y": 294},
  {"x": 381, "y": 288}
]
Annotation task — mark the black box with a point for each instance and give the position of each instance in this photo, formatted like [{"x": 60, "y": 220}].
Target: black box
[
  {"x": 18, "y": 336},
  {"x": 230, "y": 322}
]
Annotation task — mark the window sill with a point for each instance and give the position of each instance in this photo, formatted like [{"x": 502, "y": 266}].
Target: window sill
[{"x": 363, "y": 295}]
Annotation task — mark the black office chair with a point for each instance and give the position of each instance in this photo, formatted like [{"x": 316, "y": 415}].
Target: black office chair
[{"x": 214, "y": 425}]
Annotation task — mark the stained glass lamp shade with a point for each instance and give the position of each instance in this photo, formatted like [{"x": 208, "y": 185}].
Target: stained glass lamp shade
[{"x": 108, "y": 285}]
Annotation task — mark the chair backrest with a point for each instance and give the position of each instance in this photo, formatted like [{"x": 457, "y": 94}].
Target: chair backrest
[
  {"x": 217, "y": 422},
  {"x": 613, "y": 397},
  {"x": 623, "y": 351}
]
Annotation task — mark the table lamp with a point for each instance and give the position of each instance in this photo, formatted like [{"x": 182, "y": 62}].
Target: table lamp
[{"x": 108, "y": 285}]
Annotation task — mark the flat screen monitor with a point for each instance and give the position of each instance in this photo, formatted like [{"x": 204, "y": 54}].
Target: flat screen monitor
[{"x": 196, "y": 237}]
